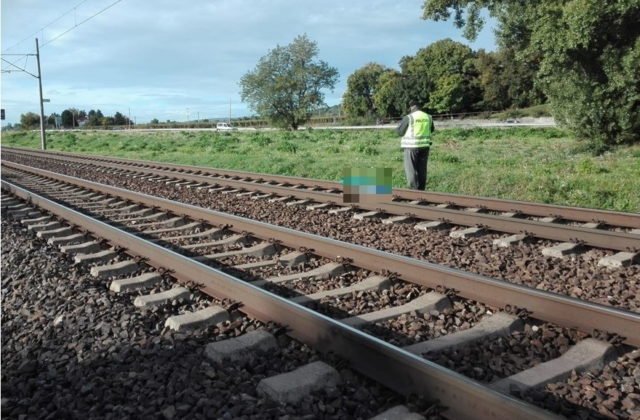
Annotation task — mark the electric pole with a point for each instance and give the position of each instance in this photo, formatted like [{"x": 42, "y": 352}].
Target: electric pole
[
  {"x": 43, "y": 138},
  {"x": 229, "y": 111}
]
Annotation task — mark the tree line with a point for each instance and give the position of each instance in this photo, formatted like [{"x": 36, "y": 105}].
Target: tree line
[
  {"x": 580, "y": 57},
  {"x": 73, "y": 117},
  {"x": 444, "y": 77}
]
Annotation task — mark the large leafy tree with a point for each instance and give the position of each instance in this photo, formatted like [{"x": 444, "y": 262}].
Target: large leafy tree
[
  {"x": 506, "y": 80},
  {"x": 29, "y": 120},
  {"x": 286, "y": 85},
  {"x": 119, "y": 119},
  {"x": 95, "y": 118},
  {"x": 361, "y": 88},
  {"x": 391, "y": 97},
  {"x": 442, "y": 77},
  {"x": 589, "y": 55},
  {"x": 67, "y": 118}
]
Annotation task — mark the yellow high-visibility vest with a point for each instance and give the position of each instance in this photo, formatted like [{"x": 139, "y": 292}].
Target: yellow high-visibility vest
[{"x": 418, "y": 133}]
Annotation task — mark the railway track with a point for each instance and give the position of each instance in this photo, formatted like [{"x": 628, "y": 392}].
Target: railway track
[
  {"x": 598, "y": 275},
  {"x": 574, "y": 227},
  {"x": 335, "y": 279}
]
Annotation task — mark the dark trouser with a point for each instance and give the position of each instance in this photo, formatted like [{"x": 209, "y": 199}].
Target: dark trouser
[{"x": 415, "y": 167}]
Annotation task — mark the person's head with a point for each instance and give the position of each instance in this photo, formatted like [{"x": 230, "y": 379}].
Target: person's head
[{"x": 413, "y": 106}]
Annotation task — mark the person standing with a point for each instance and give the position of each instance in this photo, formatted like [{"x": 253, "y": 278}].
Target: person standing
[{"x": 416, "y": 129}]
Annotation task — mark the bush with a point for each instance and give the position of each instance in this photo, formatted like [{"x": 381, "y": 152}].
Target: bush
[
  {"x": 260, "y": 140},
  {"x": 287, "y": 146}
]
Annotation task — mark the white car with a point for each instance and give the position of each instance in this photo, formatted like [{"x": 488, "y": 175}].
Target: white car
[{"x": 223, "y": 126}]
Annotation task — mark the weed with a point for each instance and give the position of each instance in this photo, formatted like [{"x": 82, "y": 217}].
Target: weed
[{"x": 287, "y": 146}]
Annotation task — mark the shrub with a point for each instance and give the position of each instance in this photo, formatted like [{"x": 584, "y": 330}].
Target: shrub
[{"x": 287, "y": 146}]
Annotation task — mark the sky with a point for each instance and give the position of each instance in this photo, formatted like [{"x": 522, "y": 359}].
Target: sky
[{"x": 181, "y": 61}]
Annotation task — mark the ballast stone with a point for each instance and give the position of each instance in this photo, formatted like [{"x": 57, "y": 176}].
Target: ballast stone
[{"x": 293, "y": 386}]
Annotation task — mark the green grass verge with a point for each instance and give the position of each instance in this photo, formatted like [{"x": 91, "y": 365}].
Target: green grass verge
[{"x": 532, "y": 164}]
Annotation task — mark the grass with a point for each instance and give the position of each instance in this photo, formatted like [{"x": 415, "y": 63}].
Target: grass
[{"x": 532, "y": 164}]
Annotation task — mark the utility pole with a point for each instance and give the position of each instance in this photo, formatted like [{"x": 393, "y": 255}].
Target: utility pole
[
  {"x": 43, "y": 138},
  {"x": 229, "y": 111}
]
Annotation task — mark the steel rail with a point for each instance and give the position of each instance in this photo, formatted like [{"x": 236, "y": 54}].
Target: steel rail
[
  {"x": 620, "y": 241},
  {"x": 558, "y": 309},
  {"x": 594, "y": 237},
  {"x": 393, "y": 367},
  {"x": 579, "y": 214}
]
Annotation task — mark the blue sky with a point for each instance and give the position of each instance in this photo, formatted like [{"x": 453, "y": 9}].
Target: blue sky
[{"x": 172, "y": 60}]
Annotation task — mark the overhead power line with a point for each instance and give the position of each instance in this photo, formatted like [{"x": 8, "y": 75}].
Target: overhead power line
[
  {"x": 63, "y": 33},
  {"x": 80, "y": 23},
  {"x": 68, "y": 30},
  {"x": 17, "y": 69},
  {"x": 45, "y": 26}
]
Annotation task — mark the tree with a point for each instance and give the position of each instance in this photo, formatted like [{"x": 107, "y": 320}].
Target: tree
[
  {"x": 52, "y": 119},
  {"x": 286, "y": 85},
  {"x": 67, "y": 118},
  {"x": 507, "y": 80},
  {"x": 442, "y": 77},
  {"x": 94, "y": 118},
  {"x": 361, "y": 88},
  {"x": 391, "y": 98},
  {"x": 155, "y": 121},
  {"x": 30, "y": 120},
  {"x": 589, "y": 55},
  {"x": 119, "y": 119}
]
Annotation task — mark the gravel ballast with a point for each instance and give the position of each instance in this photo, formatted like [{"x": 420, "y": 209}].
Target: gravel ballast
[{"x": 72, "y": 349}]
